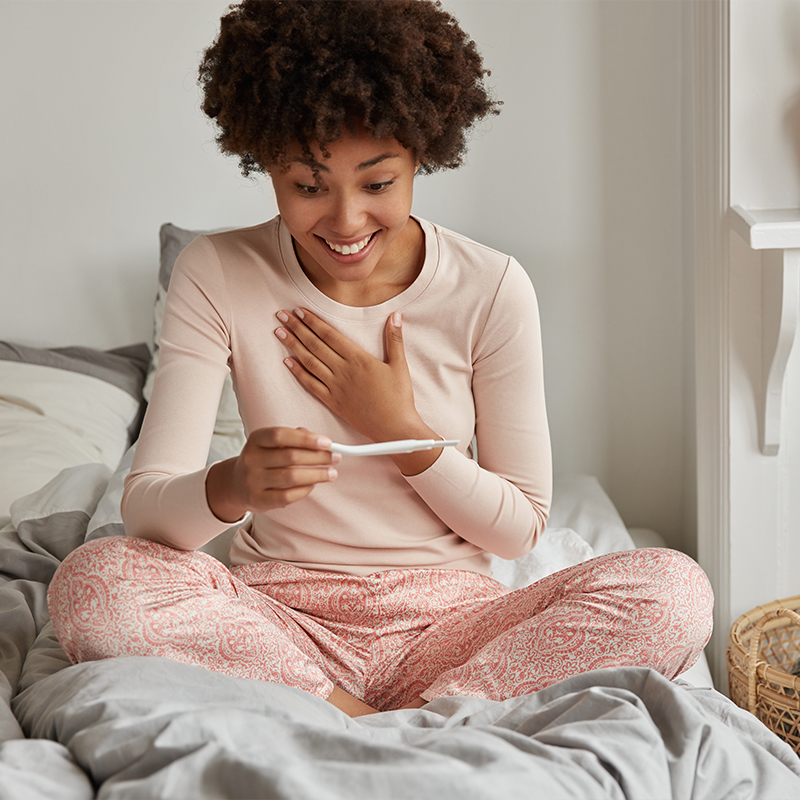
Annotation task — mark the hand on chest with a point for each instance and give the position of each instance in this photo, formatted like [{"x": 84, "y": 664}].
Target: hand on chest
[{"x": 351, "y": 357}]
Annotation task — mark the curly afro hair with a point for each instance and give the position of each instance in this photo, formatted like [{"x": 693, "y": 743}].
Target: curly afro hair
[{"x": 289, "y": 72}]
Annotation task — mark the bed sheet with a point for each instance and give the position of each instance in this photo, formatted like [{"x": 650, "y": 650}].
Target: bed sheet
[{"x": 151, "y": 727}]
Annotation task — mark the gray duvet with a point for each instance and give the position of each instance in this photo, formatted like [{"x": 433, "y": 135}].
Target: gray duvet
[{"x": 155, "y": 728}]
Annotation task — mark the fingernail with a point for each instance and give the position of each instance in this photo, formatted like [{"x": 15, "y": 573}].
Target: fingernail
[
  {"x": 397, "y": 319},
  {"x": 280, "y": 333},
  {"x": 323, "y": 442},
  {"x": 289, "y": 363},
  {"x": 332, "y": 473},
  {"x": 282, "y": 316},
  {"x": 298, "y": 312},
  {"x": 336, "y": 458}
]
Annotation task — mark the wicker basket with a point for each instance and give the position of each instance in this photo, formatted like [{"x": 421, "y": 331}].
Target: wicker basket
[{"x": 764, "y": 646}]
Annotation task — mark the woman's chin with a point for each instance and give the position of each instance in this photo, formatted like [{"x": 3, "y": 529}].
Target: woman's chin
[{"x": 348, "y": 268}]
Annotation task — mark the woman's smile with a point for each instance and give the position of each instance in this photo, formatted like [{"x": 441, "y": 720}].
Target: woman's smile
[{"x": 351, "y": 253}]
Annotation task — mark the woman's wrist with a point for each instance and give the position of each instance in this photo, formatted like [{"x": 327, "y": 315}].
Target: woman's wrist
[
  {"x": 414, "y": 463},
  {"x": 411, "y": 464},
  {"x": 219, "y": 481}
]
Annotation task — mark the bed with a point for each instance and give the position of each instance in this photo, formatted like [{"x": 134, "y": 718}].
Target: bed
[{"x": 155, "y": 728}]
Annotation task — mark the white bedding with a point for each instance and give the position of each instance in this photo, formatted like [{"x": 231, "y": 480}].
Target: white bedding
[
  {"x": 51, "y": 419},
  {"x": 157, "y": 728}
]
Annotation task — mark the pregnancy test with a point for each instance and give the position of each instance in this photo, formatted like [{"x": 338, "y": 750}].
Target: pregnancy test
[{"x": 387, "y": 448}]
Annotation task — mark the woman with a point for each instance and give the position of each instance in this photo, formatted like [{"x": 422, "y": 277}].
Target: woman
[{"x": 365, "y": 581}]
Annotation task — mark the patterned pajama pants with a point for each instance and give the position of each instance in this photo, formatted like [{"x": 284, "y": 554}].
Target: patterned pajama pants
[{"x": 386, "y": 638}]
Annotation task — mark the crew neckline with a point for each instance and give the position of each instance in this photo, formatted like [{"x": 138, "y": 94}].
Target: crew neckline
[{"x": 320, "y": 301}]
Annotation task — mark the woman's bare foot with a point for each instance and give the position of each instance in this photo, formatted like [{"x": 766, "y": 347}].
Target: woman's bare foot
[
  {"x": 418, "y": 703},
  {"x": 354, "y": 707},
  {"x": 349, "y": 704}
]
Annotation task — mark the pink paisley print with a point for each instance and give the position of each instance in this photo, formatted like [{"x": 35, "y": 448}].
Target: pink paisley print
[{"x": 387, "y": 637}]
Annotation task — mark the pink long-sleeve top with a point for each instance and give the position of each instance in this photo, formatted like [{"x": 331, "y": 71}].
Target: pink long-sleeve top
[{"x": 472, "y": 341}]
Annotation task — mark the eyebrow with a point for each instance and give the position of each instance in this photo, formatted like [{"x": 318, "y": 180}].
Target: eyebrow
[{"x": 316, "y": 165}]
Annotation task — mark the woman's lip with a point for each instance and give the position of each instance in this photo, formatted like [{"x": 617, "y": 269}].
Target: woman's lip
[{"x": 350, "y": 258}]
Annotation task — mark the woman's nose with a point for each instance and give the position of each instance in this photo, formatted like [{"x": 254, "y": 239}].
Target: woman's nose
[{"x": 346, "y": 216}]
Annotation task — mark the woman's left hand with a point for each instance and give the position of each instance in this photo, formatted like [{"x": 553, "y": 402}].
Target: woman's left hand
[{"x": 375, "y": 397}]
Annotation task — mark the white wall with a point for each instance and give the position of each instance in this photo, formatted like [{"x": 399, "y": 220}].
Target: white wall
[
  {"x": 765, "y": 103},
  {"x": 581, "y": 178},
  {"x": 102, "y": 141}
]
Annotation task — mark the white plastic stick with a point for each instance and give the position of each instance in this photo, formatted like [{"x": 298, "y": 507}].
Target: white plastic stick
[{"x": 387, "y": 448}]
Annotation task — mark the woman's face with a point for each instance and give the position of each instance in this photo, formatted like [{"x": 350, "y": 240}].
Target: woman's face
[{"x": 349, "y": 214}]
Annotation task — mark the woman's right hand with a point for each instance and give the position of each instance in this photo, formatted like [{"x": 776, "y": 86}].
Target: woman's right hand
[{"x": 277, "y": 466}]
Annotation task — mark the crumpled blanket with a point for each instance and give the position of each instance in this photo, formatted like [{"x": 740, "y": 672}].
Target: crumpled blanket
[{"x": 155, "y": 728}]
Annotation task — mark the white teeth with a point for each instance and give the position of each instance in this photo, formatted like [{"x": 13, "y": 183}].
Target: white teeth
[{"x": 349, "y": 249}]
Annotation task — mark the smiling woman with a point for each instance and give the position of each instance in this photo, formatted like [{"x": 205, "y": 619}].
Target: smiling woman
[{"x": 363, "y": 581}]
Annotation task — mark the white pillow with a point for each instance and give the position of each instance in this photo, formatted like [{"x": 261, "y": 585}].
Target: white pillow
[
  {"x": 557, "y": 549},
  {"x": 228, "y": 438},
  {"x": 51, "y": 419},
  {"x": 581, "y": 504}
]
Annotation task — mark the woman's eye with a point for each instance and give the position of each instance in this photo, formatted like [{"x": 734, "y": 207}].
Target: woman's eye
[
  {"x": 306, "y": 189},
  {"x": 379, "y": 187}
]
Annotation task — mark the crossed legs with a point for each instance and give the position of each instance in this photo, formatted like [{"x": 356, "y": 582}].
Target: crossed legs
[{"x": 390, "y": 640}]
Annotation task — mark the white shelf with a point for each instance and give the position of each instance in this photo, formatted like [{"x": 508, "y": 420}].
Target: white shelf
[
  {"x": 776, "y": 232},
  {"x": 767, "y": 229}
]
